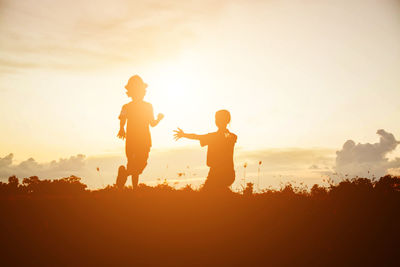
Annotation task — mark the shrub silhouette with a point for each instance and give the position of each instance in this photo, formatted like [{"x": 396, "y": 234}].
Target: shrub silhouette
[
  {"x": 388, "y": 184},
  {"x": 53, "y": 222},
  {"x": 34, "y": 186}
]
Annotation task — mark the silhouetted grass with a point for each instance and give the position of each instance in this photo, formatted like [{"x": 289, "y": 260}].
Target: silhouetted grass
[{"x": 59, "y": 222}]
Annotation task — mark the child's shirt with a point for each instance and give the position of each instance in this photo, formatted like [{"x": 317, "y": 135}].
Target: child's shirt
[
  {"x": 139, "y": 115},
  {"x": 220, "y": 149}
]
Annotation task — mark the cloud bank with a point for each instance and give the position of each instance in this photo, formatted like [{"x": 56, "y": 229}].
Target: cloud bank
[
  {"x": 188, "y": 165},
  {"x": 30, "y": 167},
  {"x": 94, "y": 34},
  {"x": 367, "y": 160},
  {"x": 95, "y": 171},
  {"x": 180, "y": 165}
]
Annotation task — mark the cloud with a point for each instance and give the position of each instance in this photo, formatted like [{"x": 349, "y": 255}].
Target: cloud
[
  {"x": 309, "y": 165},
  {"x": 278, "y": 165},
  {"x": 288, "y": 158},
  {"x": 284, "y": 165},
  {"x": 6, "y": 161},
  {"x": 75, "y": 35},
  {"x": 314, "y": 167},
  {"x": 73, "y": 163},
  {"x": 30, "y": 167},
  {"x": 367, "y": 160}
]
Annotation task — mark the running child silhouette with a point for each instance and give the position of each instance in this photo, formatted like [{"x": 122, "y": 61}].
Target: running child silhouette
[
  {"x": 219, "y": 154},
  {"x": 138, "y": 115}
]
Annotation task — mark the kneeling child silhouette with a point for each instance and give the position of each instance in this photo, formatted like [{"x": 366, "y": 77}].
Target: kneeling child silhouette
[{"x": 220, "y": 152}]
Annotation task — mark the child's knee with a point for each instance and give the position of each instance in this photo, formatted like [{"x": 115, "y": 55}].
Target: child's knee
[{"x": 136, "y": 167}]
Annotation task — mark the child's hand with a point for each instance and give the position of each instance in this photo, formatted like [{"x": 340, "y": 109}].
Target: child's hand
[
  {"x": 178, "y": 134},
  {"x": 121, "y": 134},
  {"x": 160, "y": 116}
]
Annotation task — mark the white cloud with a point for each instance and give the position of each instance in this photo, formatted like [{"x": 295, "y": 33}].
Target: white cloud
[{"x": 367, "y": 160}]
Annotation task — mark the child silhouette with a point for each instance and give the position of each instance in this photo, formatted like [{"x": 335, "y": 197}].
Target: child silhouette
[
  {"x": 220, "y": 152},
  {"x": 138, "y": 115}
]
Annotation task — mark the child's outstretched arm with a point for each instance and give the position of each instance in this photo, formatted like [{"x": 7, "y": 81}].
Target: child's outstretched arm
[
  {"x": 179, "y": 134},
  {"x": 154, "y": 123}
]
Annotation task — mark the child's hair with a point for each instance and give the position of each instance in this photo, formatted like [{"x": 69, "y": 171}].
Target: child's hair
[
  {"x": 135, "y": 87},
  {"x": 222, "y": 117}
]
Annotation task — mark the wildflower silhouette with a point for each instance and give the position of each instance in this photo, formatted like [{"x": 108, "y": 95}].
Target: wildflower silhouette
[
  {"x": 220, "y": 151},
  {"x": 138, "y": 115}
]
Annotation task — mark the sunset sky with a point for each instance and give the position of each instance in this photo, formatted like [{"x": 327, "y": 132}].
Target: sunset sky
[{"x": 299, "y": 78}]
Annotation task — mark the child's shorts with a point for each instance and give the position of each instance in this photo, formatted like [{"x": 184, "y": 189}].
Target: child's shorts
[
  {"x": 137, "y": 159},
  {"x": 219, "y": 178}
]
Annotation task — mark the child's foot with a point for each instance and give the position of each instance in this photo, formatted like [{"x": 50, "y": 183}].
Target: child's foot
[{"x": 122, "y": 177}]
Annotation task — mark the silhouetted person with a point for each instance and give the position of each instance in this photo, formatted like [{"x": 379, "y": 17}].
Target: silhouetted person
[
  {"x": 139, "y": 116},
  {"x": 220, "y": 152}
]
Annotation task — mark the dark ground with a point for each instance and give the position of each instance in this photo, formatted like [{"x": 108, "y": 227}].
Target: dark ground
[{"x": 355, "y": 223}]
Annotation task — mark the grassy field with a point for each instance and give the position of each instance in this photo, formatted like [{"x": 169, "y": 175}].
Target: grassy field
[{"x": 59, "y": 222}]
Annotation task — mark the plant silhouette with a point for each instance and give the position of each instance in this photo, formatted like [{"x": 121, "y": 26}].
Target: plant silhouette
[{"x": 48, "y": 222}]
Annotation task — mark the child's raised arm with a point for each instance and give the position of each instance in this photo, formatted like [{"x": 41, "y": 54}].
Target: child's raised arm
[
  {"x": 179, "y": 134},
  {"x": 154, "y": 123}
]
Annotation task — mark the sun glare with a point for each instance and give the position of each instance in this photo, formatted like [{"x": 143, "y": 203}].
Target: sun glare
[{"x": 175, "y": 89}]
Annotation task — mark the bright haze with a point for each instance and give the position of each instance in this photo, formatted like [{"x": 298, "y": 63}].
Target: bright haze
[{"x": 300, "y": 78}]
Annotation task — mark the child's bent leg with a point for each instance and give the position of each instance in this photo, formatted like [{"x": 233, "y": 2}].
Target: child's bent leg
[
  {"x": 122, "y": 177},
  {"x": 219, "y": 179}
]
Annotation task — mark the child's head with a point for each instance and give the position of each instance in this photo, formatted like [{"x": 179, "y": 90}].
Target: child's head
[
  {"x": 136, "y": 88},
  {"x": 222, "y": 118}
]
